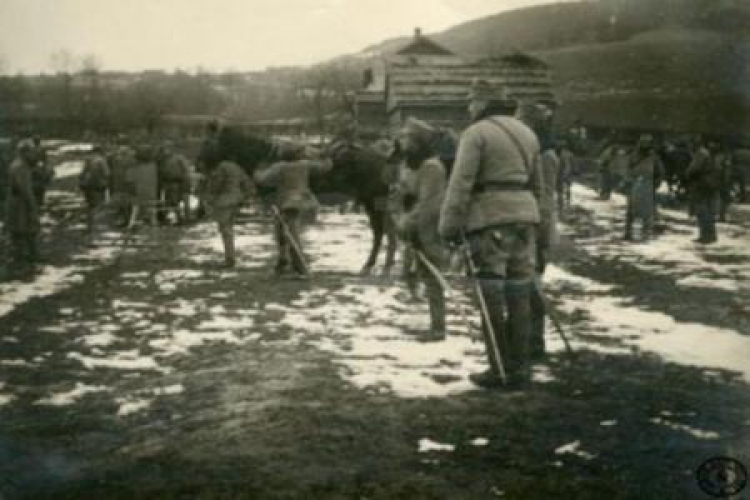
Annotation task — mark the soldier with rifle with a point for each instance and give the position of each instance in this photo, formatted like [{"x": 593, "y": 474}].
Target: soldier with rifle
[
  {"x": 492, "y": 198},
  {"x": 293, "y": 202},
  {"x": 22, "y": 211},
  {"x": 418, "y": 222}
]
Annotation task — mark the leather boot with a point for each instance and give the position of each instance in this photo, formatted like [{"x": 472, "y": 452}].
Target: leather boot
[
  {"x": 537, "y": 348},
  {"x": 493, "y": 290},
  {"x": 229, "y": 254},
  {"x": 518, "y": 300},
  {"x": 437, "y": 312}
]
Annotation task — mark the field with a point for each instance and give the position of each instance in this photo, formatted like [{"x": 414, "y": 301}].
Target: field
[{"x": 139, "y": 369}]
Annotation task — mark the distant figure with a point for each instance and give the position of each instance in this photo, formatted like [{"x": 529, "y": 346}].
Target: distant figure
[
  {"x": 228, "y": 188},
  {"x": 93, "y": 183},
  {"x": 741, "y": 171},
  {"x": 42, "y": 173},
  {"x": 144, "y": 180},
  {"x": 207, "y": 160},
  {"x": 22, "y": 211},
  {"x": 121, "y": 162},
  {"x": 565, "y": 178},
  {"x": 174, "y": 183},
  {"x": 704, "y": 181},
  {"x": 294, "y": 200},
  {"x": 723, "y": 163},
  {"x": 644, "y": 165}
]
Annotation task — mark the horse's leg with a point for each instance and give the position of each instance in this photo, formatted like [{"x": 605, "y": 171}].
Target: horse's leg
[
  {"x": 376, "y": 226},
  {"x": 390, "y": 233}
]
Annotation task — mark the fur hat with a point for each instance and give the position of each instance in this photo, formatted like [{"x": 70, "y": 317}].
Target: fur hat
[{"x": 420, "y": 129}]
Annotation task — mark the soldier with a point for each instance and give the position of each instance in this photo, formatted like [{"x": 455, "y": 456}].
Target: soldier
[
  {"x": 540, "y": 120},
  {"x": 644, "y": 168},
  {"x": 22, "y": 211},
  {"x": 174, "y": 183},
  {"x": 294, "y": 201},
  {"x": 42, "y": 173},
  {"x": 723, "y": 163},
  {"x": 227, "y": 189},
  {"x": 565, "y": 176},
  {"x": 208, "y": 158},
  {"x": 121, "y": 188},
  {"x": 93, "y": 182},
  {"x": 143, "y": 179},
  {"x": 493, "y": 196},
  {"x": 704, "y": 180},
  {"x": 418, "y": 221}
]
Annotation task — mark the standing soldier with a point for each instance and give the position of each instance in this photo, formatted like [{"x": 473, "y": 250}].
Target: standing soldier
[
  {"x": 174, "y": 182},
  {"x": 540, "y": 120},
  {"x": 144, "y": 181},
  {"x": 704, "y": 180},
  {"x": 121, "y": 188},
  {"x": 22, "y": 211},
  {"x": 644, "y": 168},
  {"x": 493, "y": 196},
  {"x": 93, "y": 182},
  {"x": 565, "y": 177},
  {"x": 723, "y": 163},
  {"x": 228, "y": 188},
  {"x": 42, "y": 173},
  {"x": 418, "y": 223},
  {"x": 293, "y": 202},
  {"x": 208, "y": 159}
]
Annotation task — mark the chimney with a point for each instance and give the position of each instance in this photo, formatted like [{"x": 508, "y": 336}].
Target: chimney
[{"x": 417, "y": 32}]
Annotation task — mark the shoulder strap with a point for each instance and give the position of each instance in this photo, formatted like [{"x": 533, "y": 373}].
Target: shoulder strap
[{"x": 515, "y": 142}]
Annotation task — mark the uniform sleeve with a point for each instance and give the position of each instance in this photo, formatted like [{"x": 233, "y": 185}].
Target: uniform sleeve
[
  {"x": 26, "y": 188},
  {"x": 270, "y": 176},
  {"x": 429, "y": 195},
  {"x": 455, "y": 208},
  {"x": 697, "y": 166}
]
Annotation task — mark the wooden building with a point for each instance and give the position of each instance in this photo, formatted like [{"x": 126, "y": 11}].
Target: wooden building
[{"x": 428, "y": 81}]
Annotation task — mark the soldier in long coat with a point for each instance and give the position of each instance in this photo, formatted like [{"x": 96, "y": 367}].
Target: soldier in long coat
[
  {"x": 21, "y": 209},
  {"x": 645, "y": 167},
  {"x": 493, "y": 196},
  {"x": 93, "y": 182},
  {"x": 704, "y": 181},
  {"x": 419, "y": 218},
  {"x": 174, "y": 183},
  {"x": 228, "y": 188},
  {"x": 294, "y": 200}
]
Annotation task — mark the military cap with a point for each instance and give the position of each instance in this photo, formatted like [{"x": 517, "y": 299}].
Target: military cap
[{"x": 418, "y": 128}]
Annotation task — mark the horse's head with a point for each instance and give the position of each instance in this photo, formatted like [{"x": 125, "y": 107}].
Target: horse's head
[{"x": 246, "y": 150}]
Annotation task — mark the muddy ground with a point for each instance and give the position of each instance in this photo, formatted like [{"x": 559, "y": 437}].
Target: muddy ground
[{"x": 147, "y": 372}]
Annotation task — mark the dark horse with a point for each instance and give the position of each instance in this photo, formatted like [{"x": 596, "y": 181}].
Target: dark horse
[{"x": 358, "y": 174}]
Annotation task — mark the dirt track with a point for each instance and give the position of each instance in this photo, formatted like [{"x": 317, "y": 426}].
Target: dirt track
[{"x": 154, "y": 375}]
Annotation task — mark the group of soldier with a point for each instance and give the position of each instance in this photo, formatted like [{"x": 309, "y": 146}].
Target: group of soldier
[
  {"x": 498, "y": 205},
  {"x": 703, "y": 170}
]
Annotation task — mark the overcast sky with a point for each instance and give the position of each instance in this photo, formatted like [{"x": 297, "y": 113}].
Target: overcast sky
[{"x": 216, "y": 34}]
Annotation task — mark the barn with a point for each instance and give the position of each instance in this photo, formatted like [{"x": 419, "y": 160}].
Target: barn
[{"x": 428, "y": 81}]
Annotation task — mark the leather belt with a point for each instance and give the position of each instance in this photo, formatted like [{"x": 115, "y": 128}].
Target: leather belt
[{"x": 500, "y": 186}]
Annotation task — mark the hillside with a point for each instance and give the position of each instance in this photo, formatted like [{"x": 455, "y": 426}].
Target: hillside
[{"x": 658, "y": 64}]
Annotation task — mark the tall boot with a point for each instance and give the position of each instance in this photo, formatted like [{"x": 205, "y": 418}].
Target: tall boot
[
  {"x": 518, "y": 300},
  {"x": 436, "y": 299},
  {"x": 493, "y": 290},
  {"x": 227, "y": 236},
  {"x": 537, "y": 347}
]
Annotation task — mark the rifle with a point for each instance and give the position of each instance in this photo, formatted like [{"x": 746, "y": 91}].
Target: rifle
[
  {"x": 292, "y": 240},
  {"x": 493, "y": 351}
]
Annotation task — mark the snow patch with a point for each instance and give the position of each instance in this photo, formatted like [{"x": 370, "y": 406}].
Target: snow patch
[
  {"x": 427, "y": 445},
  {"x": 574, "y": 448},
  {"x": 72, "y": 396}
]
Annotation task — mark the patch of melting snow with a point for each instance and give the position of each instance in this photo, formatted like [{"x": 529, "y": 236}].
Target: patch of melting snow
[
  {"x": 708, "y": 282},
  {"x": 542, "y": 375},
  {"x": 574, "y": 448},
  {"x": 480, "y": 442},
  {"x": 169, "y": 390},
  {"x": 695, "y": 432},
  {"x": 130, "y": 406},
  {"x": 126, "y": 360},
  {"x": 684, "y": 343},
  {"x": 608, "y": 423},
  {"x": 6, "y": 399},
  {"x": 72, "y": 396},
  {"x": 15, "y": 362},
  {"x": 181, "y": 341},
  {"x": 49, "y": 282},
  {"x": 101, "y": 339},
  {"x": 427, "y": 445}
]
